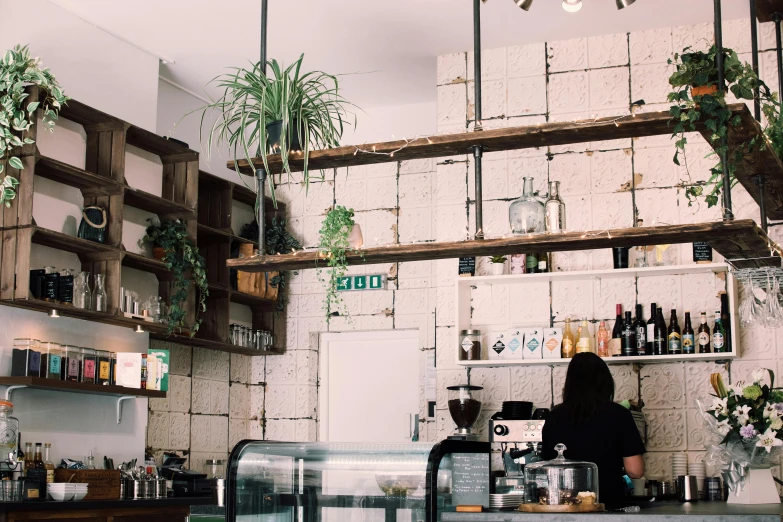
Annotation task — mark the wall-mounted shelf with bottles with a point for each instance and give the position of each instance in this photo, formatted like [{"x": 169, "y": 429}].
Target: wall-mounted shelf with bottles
[{"x": 465, "y": 309}]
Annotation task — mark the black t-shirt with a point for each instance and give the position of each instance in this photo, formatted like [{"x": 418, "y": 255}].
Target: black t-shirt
[{"x": 604, "y": 440}]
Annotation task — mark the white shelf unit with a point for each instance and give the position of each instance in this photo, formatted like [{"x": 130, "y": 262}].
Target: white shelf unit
[{"x": 464, "y": 310}]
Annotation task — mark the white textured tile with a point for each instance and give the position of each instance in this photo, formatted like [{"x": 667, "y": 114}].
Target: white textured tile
[
  {"x": 199, "y": 432},
  {"x": 240, "y": 368},
  {"x": 283, "y": 430},
  {"x": 651, "y": 46},
  {"x": 256, "y": 404},
  {"x": 567, "y": 55},
  {"x": 179, "y": 431},
  {"x": 663, "y": 385},
  {"x": 609, "y": 89},
  {"x": 607, "y": 50},
  {"x": 569, "y": 92},
  {"x": 493, "y": 64},
  {"x": 239, "y": 401},
  {"x": 667, "y": 430},
  {"x": 526, "y": 60},
  {"x": 527, "y": 96},
  {"x": 657, "y": 207},
  {"x": 179, "y": 393},
  {"x": 201, "y": 402},
  {"x": 452, "y": 105},
  {"x": 651, "y": 82},
  {"x": 698, "y": 36},
  {"x": 572, "y": 170},
  {"x": 158, "y": 430},
  {"x": 610, "y": 171},
  {"x": 237, "y": 432},
  {"x": 218, "y": 396},
  {"x": 612, "y": 211},
  {"x": 493, "y": 99},
  {"x": 452, "y": 68}
]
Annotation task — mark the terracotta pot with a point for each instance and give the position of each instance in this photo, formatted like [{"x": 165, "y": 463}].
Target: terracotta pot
[
  {"x": 355, "y": 238},
  {"x": 703, "y": 90},
  {"x": 158, "y": 253}
]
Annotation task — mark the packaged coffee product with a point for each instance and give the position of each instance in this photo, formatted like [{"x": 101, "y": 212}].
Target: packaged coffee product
[
  {"x": 497, "y": 345},
  {"x": 553, "y": 339},
  {"x": 534, "y": 339},
  {"x": 515, "y": 338}
]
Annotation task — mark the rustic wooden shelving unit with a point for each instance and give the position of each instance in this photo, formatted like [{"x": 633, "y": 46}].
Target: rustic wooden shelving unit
[
  {"x": 734, "y": 240},
  {"x": 39, "y": 383}
]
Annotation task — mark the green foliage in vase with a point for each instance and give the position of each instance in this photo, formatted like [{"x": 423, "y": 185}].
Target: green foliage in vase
[
  {"x": 332, "y": 246},
  {"x": 182, "y": 259},
  {"x": 497, "y": 259},
  {"x": 18, "y": 70},
  {"x": 710, "y": 110}
]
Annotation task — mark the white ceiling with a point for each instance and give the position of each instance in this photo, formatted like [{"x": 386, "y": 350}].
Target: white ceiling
[{"x": 392, "y": 45}]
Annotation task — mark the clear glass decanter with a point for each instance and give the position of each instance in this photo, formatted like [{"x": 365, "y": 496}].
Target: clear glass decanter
[
  {"x": 99, "y": 296},
  {"x": 526, "y": 214},
  {"x": 82, "y": 297},
  {"x": 555, "y": 209}
]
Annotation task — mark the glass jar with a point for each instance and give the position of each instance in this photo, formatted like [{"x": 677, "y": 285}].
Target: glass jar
[
  {"x": 26, "y": 358},
  {"x": 103, "y": 366},
  {"x": 527, "y": 214},
  {"x": 470, "y": 345},
  {"x": 51, "y": 360},
  {"x": 82, "y": 297},
  {"x": 555, "y": 209},
  {"x": 72, "y": 369},
  {"x": 561, "y": 481},
  {"x": 89, "y": 363},
  {"x": 99, "y": 298},
  {"x": 216, "y": 469},
  {"x": 9, "y": 432}
]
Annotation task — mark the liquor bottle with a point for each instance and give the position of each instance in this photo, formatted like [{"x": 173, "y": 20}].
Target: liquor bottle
[
  {"x": 48, "y": 465},
  {"x": 567, "y": 350},
  {"x": 703, "y": 339},
  {"x": 688, "y": 339},
  {"x": 629, "y": 336},
  {"x": 531, "y": 264},
  {"x": 725, "y": 320},
  {"x": 660, "y": 346},
  {"x": 554, "y": 209},
  {"x": 543, "y": 262},
  {"x": 651, "y": 329},
  {"x": 602, "y": 340},
  {"x": 615, "y": 345},
  {"x": 584, "y": 343},
  {"x": 641, "y": 332},
  {"x": 28, "y": 456},
  {"x": 719, "y": 335},
  {"x": 38, "y": 462},
  {"x": 675, "y": 339}
]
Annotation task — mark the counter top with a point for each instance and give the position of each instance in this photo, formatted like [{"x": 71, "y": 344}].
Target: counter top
[
  {"x": 51, "y": 505},
  {"x": 665, "y": 511}
]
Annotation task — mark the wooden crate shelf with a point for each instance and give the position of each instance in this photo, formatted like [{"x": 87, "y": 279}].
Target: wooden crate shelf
[
  {"x": 146, "y": 264},
  {"x": 60, "y": 241},
  {"x": 75, "y": 177},
  {"x": 740, "y": 239},
  {"x": 40, "y": 383},
  {"x": 158, "y": 145},
  {"x": 157, "y": 205},
  {"x": 765, "y": 9},
  {"x": 217, "y": 345}
]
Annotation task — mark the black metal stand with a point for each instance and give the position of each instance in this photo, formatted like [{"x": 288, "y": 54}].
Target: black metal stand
[
  {"x": 477, "y": 150},
  {"x": 728, "y": 215},
  {"x": 260, "y": 173}
]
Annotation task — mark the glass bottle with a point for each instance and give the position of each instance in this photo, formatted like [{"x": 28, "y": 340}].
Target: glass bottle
[
  {"x": 9, "y": 431},
  {"x": 65, "y": 291},
  {"x": 688, "y": 339},
  {"x": 615, "y": 345},
  {"x": 526, "y": 214},
  {"x": 38, "y": 462},
  {"x": 660, "y": 345},
  {"x": 584, "y": 343},
  {"x": 90, "y": 461},
  {"x": 629, "y": 336},
  {"x": 554, "y": 209},
  {"x": 640, "y": 325},
  {"x": 718, "y": 335},
  {"x": 704, "y": 334},
  {"x": 28, "y": 457},
  {"x": 675, "y": 340},
  {"x": 650, "y": 333},
  {"x": 99, "y": 296},
  {"x": 567, "y": 351},
  {"x": 82, "y": 297},
  {"x": 725, "y": 319},
  {"x": 48, "y": 465},
  {"x": 602, "y": 340}
]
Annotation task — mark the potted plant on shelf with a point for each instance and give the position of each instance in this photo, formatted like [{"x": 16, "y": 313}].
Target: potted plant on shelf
[
  {"x": 498, "y": 264},
  {"x": 339, "y": 233},
  {"x": 697, "y": 100},
  {"x": 288, "y": 113},
  {"x": 18, "y": 70},
  {"x": 184, "y": 261}
]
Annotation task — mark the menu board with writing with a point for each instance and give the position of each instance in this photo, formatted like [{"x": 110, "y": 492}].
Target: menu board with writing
[
  {"x": 467, "y": 266},
  {"x": 470, "y": 479},
  {"x": 702, "y": 251}
]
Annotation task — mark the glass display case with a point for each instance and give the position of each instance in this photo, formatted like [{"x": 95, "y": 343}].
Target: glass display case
[{"x": 330, "y": 482}]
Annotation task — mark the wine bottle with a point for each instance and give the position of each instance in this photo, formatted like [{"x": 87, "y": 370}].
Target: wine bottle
[
  {"x": 584, "y": 343},
  {"x": 651, "y": 329},
  {"x": 704, "y": 335},
  {"x": 531, "y": 264},
  {"x": 725, "y": 320},
  {"x": 640, "y": 325},
  {"x": 567, "y": 350},
  {"x": 660, "y": 346},
  {"x": 629, "y": 336},
  {"x": 615, "y": 344},
  {"x": 719, "y": 335},
  {"x": 675, "y": 339},
  {"x": 602, "y": 340},
  {"x": 688, "y": 339}
]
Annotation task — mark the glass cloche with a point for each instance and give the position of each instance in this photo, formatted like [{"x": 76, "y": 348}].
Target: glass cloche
[
  {"x": 527, "y": 215},
  {"x": 561, "y": 481}
]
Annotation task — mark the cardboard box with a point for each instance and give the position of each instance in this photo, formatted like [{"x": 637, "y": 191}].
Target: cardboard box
[
  {"x": 534, "y": 340},
  {"x": 497, "y": 345},
  {"x": 129, "y": 370},
  {"x": 164, "y": 358},
  {"x": 553, "y": 342},
  {"x": 515, "y": 340},
  {"x": 103, "y": 484}
]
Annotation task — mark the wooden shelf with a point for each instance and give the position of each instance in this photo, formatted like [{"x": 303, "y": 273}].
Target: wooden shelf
[
  {"x": 158, "y": 145},
  {"x": 221, "y": 346},
  {"x": 74, "y": 245},
  {"x": 78, "y": 387},
  {"x": 646, "y": 359},
  {"x": 88, "y": 117},
  {"x": 740, "y": 239},
  {"x": 75, "y": 177},
  {"x": 766, "y": 8},
  {"x": 146, "y": 264},
  {"x": 252, "y": 300},
  {"x": 212, "y": 235},
  {"x": 156, "y": 204}
]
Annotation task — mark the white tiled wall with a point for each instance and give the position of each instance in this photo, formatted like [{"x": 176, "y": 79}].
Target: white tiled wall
[{"x": 605, "y": 185}]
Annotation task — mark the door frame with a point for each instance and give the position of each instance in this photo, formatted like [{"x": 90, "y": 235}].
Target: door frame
[{"x": 324, "y": 340}]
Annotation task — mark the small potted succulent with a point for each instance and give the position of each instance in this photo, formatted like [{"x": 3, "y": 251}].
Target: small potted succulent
[{"x": 498, "y": 264}]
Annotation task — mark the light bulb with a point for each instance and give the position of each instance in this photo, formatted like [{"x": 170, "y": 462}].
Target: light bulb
[
  {"x": 524, "y": 4},
  {"x": 624, "y": 3},
  {"x": 572, "y": 6}
]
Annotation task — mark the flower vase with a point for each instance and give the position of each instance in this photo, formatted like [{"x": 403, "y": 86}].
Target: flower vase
[
  {"x": 498, "y": 268},
  {"x": 759, "y": 488}
]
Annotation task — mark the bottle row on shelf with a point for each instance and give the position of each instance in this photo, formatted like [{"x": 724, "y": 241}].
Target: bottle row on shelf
[{"x": 630, "y": 336}]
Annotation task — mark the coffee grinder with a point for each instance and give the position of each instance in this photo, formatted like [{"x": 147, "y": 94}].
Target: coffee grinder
[
  {"x": 520, "y": 438},
  {"x": 465, "y": 407}
]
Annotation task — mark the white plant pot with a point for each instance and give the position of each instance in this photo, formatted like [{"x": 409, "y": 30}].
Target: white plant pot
[
  {"x": 355, "y": 238},
  {"x": 498, "y": 268},
  {"x": 759, "y": 489}
]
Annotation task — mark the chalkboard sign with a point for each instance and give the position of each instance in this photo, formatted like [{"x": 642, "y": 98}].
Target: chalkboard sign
[
  {"x": 702, "y": 252},
  {"x": 470, "y": 479},
  {"x": 467, "y": 266}
]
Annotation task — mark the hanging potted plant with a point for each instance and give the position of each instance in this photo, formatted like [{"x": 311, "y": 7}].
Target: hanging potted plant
[
  {"x": 287, "y": 113},
  {"x": 18, "y": 70},
  {"x": 184, "y": 261},
  {"x": 339, "y": 233},
  {"x": 498, "y": 264}
]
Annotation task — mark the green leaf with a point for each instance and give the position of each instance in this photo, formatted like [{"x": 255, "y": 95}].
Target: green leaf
[
  {"x": 32, "y": 106},
  {"x": 15, "y": 163}
]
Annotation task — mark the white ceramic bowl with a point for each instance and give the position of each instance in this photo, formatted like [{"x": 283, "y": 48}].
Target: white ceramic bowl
[
  {"x": 79, "y": 495},
  {"x": 61, "y": 496}
]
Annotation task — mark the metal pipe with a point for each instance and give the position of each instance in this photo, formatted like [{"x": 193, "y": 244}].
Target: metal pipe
[
  {"x": 762, "y": 205},
  {"x": 260, "y": 173},
  {"x": 477, "y": 150},
  {"x": 477, "y": 153},
  {"x": 754, "y": 49},
  {"x": 728, "y": 215}
]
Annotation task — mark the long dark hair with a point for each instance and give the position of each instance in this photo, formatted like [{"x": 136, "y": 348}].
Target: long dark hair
[{"x": 588, "y": 387}]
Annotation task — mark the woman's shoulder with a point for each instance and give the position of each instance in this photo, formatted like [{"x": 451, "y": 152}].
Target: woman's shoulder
[{"x": 617, "y": 410}]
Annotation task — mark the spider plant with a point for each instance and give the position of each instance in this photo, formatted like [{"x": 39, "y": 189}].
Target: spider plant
[{"x": 308, "y": 105}]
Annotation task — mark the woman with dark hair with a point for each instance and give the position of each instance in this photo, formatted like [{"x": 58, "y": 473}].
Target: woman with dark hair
[{"x": 594, "y": 428}]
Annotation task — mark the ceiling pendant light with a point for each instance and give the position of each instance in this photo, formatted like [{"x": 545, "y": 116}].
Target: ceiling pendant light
[
  {"x": 572, "y": 6},
  {"x": 525, "y": 4},
  {"x": 621, "y": 4}
]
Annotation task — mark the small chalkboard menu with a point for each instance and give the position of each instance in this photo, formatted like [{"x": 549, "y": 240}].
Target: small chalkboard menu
[
  {"x": 467, "y": 266},
  {"x": 470, "y": 479},
  {"x": 702, "y": 252}
]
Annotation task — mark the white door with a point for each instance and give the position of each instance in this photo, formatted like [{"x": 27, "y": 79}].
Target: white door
[{"x": 369, "y": 386}]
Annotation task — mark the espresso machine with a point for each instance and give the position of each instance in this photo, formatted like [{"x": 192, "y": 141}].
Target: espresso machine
[{"x": 519, "y": 433}]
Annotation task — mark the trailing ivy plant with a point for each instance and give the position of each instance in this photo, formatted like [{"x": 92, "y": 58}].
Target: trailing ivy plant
[
  {"x": 181, "y": 258},
  {"x": 332, "y": 246},
  {"x": 699, "y": 69},
  {"x": 278, "y": 241},
  {"x": 17, "y": 114}
]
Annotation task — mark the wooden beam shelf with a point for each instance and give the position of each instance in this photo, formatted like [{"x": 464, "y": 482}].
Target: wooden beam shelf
[
  {"x": 158, "y": 145},
  {"x": 211, "y": 235},
  {"x": 156, "y": 204},
  {"x": 217, "y": 345},
  {"x": 765, "y": 9},
  {"x": 75, "y": 177},
  {"x": 60, "y": 241},
  {"x": 740, "y": 239},
  {"x": 40, "y": 383},
  {"x": 146, "y": 264}
]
